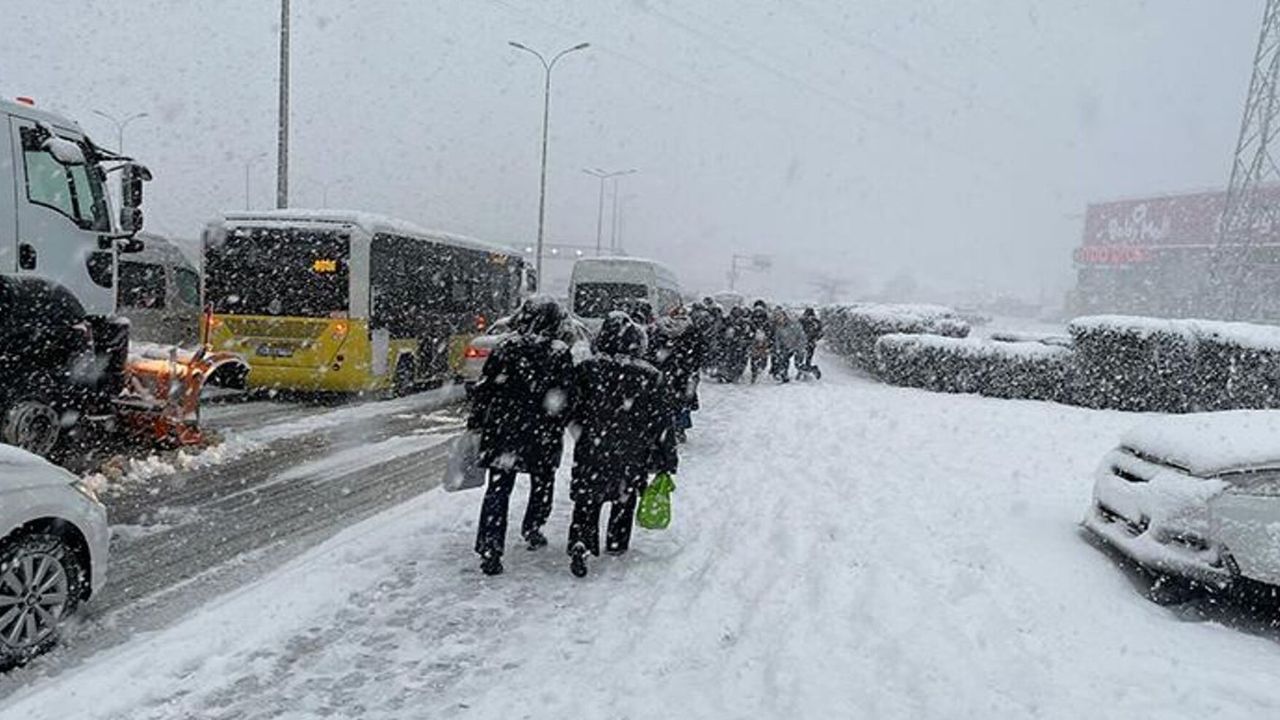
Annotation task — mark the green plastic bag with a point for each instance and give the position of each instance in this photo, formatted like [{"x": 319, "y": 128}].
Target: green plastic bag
[{"x": 655, "y": 503}]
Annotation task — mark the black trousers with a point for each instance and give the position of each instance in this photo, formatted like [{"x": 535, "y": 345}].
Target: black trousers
[
  {"x": 585, "y": 526},
  {"x": 491, "y": 536},
  {"x": 809, "y": 348}
]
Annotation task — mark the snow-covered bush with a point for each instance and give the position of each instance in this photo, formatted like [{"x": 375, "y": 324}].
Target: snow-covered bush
[
  {"x": 852, "y": 330},
  {"x": 1151, "y": 364},
  {"x": 1022, "y": 370}
]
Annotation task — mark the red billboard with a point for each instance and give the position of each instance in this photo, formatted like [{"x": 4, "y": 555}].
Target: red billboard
[{"x": 1125, "y": 231}]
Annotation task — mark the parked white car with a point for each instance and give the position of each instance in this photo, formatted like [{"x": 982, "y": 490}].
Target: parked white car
[
  {"x": 53, "y": 552},
  {"x": 478, "y": 350},
  {"x": 1196, "y": 496}
]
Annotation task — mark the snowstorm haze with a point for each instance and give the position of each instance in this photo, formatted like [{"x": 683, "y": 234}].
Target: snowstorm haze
[{"x": 959, "y": 140}]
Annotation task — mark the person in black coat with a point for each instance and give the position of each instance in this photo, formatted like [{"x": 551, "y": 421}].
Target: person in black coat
[
  {"x": 521, "y": 406},
  {"x": 676, "y": 348},
  {"x": 762, "y": 339},
  {"x": 624, "y": 416},
  {"x": 812, "y": 325},
  {"x": 736, "y": 343}
]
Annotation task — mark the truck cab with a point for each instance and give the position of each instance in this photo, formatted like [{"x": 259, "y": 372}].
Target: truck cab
[{"x": 58, "y": 263}]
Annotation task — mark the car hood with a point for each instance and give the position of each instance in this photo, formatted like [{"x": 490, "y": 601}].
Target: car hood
[
  {"x": 20, "y": 469},
  {"x": 1207, "y": 444}
]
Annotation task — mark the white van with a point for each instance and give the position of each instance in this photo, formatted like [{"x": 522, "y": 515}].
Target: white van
[{"x": 599, "y": 286}]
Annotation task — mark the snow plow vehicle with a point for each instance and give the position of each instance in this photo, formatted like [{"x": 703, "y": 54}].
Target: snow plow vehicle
[{"x": 68, "y": 377}]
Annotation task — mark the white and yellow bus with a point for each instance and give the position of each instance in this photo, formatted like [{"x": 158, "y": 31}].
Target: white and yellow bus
[{"x": 335, "y": 301}]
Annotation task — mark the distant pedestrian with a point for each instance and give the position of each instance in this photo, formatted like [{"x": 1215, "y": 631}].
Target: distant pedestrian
[
  {"x": 520, "y": 406},
  {"x": 812, "y": 326},
  {"x": 762, "y": 329},
  {"x": 626, "y": 434},
  {"x": 788, "y": 344},
  {"x": 736, "y": 339}
]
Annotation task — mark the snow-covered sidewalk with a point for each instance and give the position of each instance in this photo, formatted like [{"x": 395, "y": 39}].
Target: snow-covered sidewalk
[{"x": 840, "y": 549}]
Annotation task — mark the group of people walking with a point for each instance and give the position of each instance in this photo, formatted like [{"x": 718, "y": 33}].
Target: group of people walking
[
  {"x": 626, "y": 409},
  {"x": 752, "y": 341},
  {"x": 632, "y": 402}
]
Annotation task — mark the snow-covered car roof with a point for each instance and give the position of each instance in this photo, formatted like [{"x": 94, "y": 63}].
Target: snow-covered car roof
[{"x": 1208, "y": 444}]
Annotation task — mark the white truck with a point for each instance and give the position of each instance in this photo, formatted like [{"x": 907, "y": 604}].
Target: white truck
[{"x": 63, "y": 350}]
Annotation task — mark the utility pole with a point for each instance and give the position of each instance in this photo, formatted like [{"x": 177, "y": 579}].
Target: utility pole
[
  {"x": 1248, "y": 211},
  {"x": 546, "y": 121},
  {"x": 602, "y": 176},
  {"x": 282, "y": 137}
]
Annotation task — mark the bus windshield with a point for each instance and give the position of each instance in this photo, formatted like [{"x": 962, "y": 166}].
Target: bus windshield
[
  {"x": 595, "y": 300},
  {"x": 294, "y": 273}
]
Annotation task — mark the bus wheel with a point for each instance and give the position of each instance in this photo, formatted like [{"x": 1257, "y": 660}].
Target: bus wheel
[
  {"x": 31, "y": 425},
  {"x": 403, "y": 381}
]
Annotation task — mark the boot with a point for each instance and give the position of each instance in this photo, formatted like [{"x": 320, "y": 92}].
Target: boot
[
  {"x": 536, "y": 539},
  {"x": 578, "y": 561},
  {"x": 491, "y": 564}
]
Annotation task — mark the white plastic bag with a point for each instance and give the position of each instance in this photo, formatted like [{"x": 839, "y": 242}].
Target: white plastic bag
[{"x": 462, "y": 471}]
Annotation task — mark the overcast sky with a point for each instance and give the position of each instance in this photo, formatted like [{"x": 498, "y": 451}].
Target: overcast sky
[{"x": 853, "y": 140}]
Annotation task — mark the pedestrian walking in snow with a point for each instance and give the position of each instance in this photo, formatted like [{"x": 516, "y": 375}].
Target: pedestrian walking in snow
[
  {"x": 626, "y": 433},
  {"x": 762, "y": 330},
  {"x": 520, "y": 406},
  {"x": 788, "y": 344},
  {"x": 736, "y": 342},
  {"x": 676, "y": 350},
  {"x": 812, "y": 326}
]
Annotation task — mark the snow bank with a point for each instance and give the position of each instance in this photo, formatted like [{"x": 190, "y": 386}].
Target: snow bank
[
  {"x": 141, "y": 471},
  {"x": 852, "y": 330}
]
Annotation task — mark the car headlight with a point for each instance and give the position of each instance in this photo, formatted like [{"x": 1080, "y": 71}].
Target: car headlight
[{"x": 86, "y": 490}]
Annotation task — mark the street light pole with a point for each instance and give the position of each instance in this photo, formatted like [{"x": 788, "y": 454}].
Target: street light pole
[
  {"x": 282, "y": 136},
  {"x": 602, "y": 175},
  {"x": 546, "y": 120},
  {"x": 121, "y": 124}
]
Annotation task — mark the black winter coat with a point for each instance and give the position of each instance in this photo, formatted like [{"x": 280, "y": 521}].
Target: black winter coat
[
  {"x": 522, "y": 404},
  {"x": 812, "y": 327},
  {"x": 623, "y": 409},
  {"x": 676, "y": 348}
]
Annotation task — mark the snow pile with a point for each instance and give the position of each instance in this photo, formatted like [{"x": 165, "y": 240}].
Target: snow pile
[{"x": 132, "y": 472}]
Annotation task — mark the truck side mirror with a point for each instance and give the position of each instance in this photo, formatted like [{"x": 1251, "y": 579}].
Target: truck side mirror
[{"x": 132, "y": 176}]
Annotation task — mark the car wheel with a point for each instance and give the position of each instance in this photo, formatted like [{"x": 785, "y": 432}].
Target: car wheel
[
  {"x": 403, "y": 381},
  {"x": 40, "y": 585},
  {"x": 32, "y": 425}
]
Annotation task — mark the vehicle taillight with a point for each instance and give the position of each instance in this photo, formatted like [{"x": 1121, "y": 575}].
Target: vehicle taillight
[
  {"x": 23, "y": 100},
  {"x": 474, "y": 353},
  {"x": 481, "y": 323},
  {"x": 339, "y": 330}
]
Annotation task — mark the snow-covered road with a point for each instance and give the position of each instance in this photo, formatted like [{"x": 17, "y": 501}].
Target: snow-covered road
[{"x": 840, "y": 549}]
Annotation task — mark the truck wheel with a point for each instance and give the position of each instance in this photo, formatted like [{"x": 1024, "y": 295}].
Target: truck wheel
[
  {"x": 31, "y": 425},
  {"x": 402, "y": 383},
  {"x": 40, "y": 585}
]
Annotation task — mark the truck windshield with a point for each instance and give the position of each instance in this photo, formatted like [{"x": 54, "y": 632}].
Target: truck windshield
[
  {"x": 595, "y": 300},
  {"x": 292, "y": 272}
]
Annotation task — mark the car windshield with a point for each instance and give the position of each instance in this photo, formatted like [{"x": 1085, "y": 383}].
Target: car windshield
[
  {"x": 690, "y": 359},
  {"x": 597, "y": 299}
]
